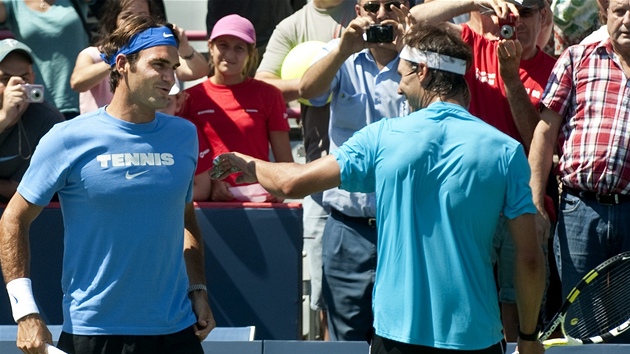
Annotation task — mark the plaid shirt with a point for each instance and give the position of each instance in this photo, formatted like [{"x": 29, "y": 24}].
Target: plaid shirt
[{"x": 590, "y": 91}]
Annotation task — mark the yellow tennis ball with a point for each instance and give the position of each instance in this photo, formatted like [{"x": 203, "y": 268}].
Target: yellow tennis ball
[{"x": 298, "y": 60}]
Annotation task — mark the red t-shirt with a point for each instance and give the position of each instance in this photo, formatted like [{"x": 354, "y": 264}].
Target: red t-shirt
[
  {"x": 487, "y": 89},
  {"x": 234, "y": 118}
]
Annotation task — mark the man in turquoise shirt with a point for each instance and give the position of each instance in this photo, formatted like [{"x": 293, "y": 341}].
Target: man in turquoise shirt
[{"x": 441, "y": 177}]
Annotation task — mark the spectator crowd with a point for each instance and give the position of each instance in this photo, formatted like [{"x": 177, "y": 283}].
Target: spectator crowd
[{"x": 548, "y": 99}]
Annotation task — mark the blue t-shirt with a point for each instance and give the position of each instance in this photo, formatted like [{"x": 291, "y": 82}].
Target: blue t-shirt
[
  {"x": 362, "y": 93},
  {"x": 122, "y": 189},
  {"x": 442, "y": 177}
]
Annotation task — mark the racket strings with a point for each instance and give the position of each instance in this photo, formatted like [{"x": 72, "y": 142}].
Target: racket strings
[{"x": 602, "y": 305}]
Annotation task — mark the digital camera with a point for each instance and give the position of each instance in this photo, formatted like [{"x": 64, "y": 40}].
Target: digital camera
[
  {"x": 507, "y": 27},
  {"x": 34, "y": 93},
  {"x": 380, "y": 34}
]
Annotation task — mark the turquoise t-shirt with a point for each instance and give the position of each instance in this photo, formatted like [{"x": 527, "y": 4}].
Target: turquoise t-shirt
[
  {"x": 56, "y": 37},
  {"x": 122, "y": 189},
  {"x": 441, "y": 177}
]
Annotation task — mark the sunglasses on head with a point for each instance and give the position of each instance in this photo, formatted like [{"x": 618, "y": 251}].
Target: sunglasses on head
[{"x": 373, "y": 7}]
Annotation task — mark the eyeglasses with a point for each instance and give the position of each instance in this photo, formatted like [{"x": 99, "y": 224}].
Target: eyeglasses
[{"x": 373, "y": 7}]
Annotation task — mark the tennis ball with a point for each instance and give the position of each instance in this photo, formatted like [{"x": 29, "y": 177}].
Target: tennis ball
[{"x": 298, "y": 60}]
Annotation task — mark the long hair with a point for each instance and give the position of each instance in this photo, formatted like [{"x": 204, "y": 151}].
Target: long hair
[
  {"x": 439, "y": 39},
  {"x": 110, "y": 11}
]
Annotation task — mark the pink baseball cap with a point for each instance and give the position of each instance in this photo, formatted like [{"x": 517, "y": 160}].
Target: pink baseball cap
[{"x": 234, "y": 25}]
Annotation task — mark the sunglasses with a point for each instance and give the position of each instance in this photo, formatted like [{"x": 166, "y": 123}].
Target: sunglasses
[{"x": 373, "y": 7}]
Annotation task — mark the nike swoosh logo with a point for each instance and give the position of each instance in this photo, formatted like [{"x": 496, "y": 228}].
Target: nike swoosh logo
[
  {"x": 134, "y": 175},
  {"x": 166, "y": 35},
  {"x": 8, "y": 158},
  {"x": 15, "y": 298}
]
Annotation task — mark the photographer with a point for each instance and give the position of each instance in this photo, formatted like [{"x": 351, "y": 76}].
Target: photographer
[
  {"x": 24, "y": 117},
  {"x": 363, "y": 80}
]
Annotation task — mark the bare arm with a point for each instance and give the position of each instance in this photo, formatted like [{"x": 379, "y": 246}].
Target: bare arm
[
  {"x": 15, "y": 258},
  {"x": 318, "y": 77},
  {"x": 194, "y": 257},
  {"x": 7, "y": 188},
  {"x": 290, "y": 88},
  {"x": 193, "y": 65},
  {"x": 540, "y": 161},
  {"x": 87, "y": 73},
  {"x": 201, "y": 187},
  {"x": 3, "y": 12},
  {"x": 541, "y": 154},
  {"x": 524, "y": 113},
  {"x": 439, "y": 11},
  {"x": 529, "y": 278},
  {"x": 285, "y": 180},
  {"x": 280, "y": 146}
]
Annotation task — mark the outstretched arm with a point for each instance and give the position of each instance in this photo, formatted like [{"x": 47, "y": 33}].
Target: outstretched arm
[
  {"x": 285, "y": 180},
  {"x": 439, "y": 11}
]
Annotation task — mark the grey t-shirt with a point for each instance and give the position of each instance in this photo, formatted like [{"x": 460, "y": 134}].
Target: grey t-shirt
[{"x": 308, "y": 24}]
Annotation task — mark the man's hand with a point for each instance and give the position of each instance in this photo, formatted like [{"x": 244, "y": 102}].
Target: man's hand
[
  {"x": 219, "y": 192},
  {"x": 13, "y": 103},
  {"x": 33, "y": 335},
  {"x": 226, "y": 164},
  {"x": 352, "y": 40},
  {"x": 205, "y": 318},
  {"x": 404, "y": 21},
  {"x": 543, "y": 226},
  {"x": 509, "y": 53},
  {"x": 529, "y": 347}
]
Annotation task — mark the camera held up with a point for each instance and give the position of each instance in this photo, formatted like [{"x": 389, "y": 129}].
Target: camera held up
[
  {"x": 507, "y": 27},
  {"x": 380, "y": 34},
  {"x": 34, "y": 93}
]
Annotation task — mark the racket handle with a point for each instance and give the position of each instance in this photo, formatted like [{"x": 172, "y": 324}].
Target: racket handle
[{"x": 53, "y": 350}]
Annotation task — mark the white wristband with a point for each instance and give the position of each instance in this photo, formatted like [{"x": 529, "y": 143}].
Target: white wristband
[{"x": 21, "y": 298}]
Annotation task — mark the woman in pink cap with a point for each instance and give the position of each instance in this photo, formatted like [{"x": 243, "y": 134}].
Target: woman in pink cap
[{"x": 233, "y": 111}]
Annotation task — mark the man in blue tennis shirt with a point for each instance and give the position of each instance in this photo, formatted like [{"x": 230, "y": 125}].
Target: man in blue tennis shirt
[
  {"x": 442, "y": 177},
  {"x": 133, "y": 276}
]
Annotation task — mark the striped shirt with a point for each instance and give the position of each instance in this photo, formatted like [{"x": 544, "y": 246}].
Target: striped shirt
[{"x": 589, "y": 89}]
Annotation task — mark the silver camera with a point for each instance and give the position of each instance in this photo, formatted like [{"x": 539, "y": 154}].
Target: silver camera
[{"x": 34, "y": 93}]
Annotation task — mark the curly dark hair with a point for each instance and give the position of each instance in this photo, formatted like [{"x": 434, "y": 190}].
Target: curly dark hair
[{"x": 440, "y": 39}]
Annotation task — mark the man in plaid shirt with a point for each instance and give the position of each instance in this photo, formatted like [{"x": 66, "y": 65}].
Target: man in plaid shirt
[{"x": 586, "y": 111}]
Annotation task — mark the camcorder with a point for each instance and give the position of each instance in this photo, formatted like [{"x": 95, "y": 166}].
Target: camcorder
[
  {"x": 507, "y": 27},
  {"x": 380, "y": 34},
  {"x": 34, "y": 93}
]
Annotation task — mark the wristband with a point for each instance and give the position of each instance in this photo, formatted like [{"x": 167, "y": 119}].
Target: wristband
[
  {"x": 21, "y": 298},
  {"x": 533, "y": 337},
  {"x": 196, "y": 287}
]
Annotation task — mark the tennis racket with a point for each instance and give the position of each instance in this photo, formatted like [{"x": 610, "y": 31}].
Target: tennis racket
[{"x": 598, "y": 307}]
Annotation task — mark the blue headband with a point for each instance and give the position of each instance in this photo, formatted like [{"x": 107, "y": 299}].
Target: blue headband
[{"x": 152, "y": 37}]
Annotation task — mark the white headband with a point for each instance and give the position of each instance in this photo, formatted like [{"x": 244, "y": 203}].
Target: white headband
[{"x": 434, "y": 60}]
